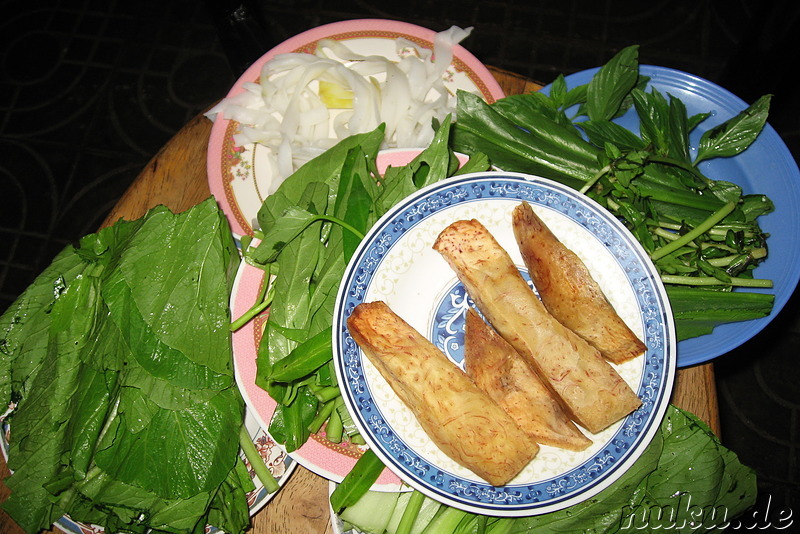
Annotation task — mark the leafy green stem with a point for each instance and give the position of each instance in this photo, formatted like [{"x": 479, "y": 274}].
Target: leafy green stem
[
  {"x": 350, "y": 228},
  {"x": 250, "y": 314},
  {"x": 667, "y": 234},
  {"x": 593, "y": 180},
  {"x": 323, "y": 414},
  {"x": 711, "y": 281},
  {"x": 693, "y": 234},
  {"x": 756, "y": 253},
  {"x": 410, "y": 513},
  {"x": 256, "y": 461},
  {"x": 262, "y": 302}
]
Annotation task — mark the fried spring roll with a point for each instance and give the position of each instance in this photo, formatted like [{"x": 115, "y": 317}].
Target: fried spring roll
[
  {"x": 501, "y": 372},
  {"x": 592, "y": 392},
  {"x": 457, "y": 415},
  {"x": 568, "y": 290}
]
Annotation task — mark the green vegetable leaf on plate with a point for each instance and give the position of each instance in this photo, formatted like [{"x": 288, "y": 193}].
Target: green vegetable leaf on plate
[
  {"x": 610, "y": 86},
  {"x": 309, "y": 229},
  {"x": 734, "y": 135},
  {"x": 646, "y": 178}
]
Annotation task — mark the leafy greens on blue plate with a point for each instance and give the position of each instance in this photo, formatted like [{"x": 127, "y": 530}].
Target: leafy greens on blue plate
[{"x": 703, "y": 235}]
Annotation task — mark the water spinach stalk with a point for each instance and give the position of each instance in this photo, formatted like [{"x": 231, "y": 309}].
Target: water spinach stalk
[{"x": 701, "y": 234}]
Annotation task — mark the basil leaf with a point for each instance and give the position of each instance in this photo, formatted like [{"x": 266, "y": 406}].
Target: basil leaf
[
  {"x": 653, "y": 111},
  {"x": 558, "y": 91},
  {"x": 736, "y": 134},
  {"x": 678, "y": 131},
  {"x": 612, "y": 83},
  {"x": 575, "y": 96},
  {"x": 696, "y": 119},
  {"x": 602, "y": 132}
]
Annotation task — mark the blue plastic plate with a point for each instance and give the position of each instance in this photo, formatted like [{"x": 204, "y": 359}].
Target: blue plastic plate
[{"x": 766, "y": 167}]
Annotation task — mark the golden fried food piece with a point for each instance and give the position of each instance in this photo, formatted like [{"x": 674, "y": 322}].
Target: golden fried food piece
[
  {"x": 568, "y": 290},
  {"x": 589, "y": 388},
  {"x": 501, "y": 372},
  {"x": 457, "y": 415}
]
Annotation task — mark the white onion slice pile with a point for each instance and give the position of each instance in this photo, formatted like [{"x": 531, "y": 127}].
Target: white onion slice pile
[{"x": 284, "y": 112}]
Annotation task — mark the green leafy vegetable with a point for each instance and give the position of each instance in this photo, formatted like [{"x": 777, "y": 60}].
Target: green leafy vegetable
[
  {"x": 612, "y": 83},
  {"x": 304, "y": 359},
  {"x": 700, "y": 232},
  {"x": 713, "y": 488},
  {"x": 117, "y": 361},
  {"x": 734, "y": 136},
  {"x": 309, "y": 229},
  {"x": 358, "y": 481}
]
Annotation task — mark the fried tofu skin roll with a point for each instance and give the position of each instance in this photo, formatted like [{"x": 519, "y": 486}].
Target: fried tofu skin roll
[
  {"x": 592, "y": 392},
  {"x": 457, "y": 415},
  {"x": 501, "y": 372},
  {"x": 568, "y": 290}
]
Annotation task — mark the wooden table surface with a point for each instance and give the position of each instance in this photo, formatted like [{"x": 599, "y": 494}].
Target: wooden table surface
[{"x": 177, "y": 178}]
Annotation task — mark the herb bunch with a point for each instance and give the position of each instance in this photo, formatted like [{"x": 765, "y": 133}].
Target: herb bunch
[{"x": 702, "y": 234}]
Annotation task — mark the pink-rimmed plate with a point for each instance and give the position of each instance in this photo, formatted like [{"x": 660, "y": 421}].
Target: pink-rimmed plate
[{"x": 235, "y": 173}]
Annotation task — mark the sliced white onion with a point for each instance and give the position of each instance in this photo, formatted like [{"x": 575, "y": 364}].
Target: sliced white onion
[{"x": 284, "y": 114}]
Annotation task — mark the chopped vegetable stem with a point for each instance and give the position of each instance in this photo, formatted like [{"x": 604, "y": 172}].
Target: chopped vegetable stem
[
  {"x": 727, "y": 260},
  {"x": 327, "y": 393},
  {"x": 262, "y": 302},
  {"x": 410, "y": 513},
  {"x": 256, "y": 461},
  {"x": 696, "y": 232},
  {"x": 323, "y": 414},
  {"x": 668, "y": 235},
  {"x": 593, "y": 180},
  {"x": 711, "y": 281},
  {"x": 334, "y": 430}
]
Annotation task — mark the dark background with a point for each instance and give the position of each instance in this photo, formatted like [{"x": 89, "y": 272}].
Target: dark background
[{"x": 90, "y": 89}]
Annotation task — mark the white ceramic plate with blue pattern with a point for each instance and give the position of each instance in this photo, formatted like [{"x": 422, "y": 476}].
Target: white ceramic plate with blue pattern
[{"x": 397, "y": 264}]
